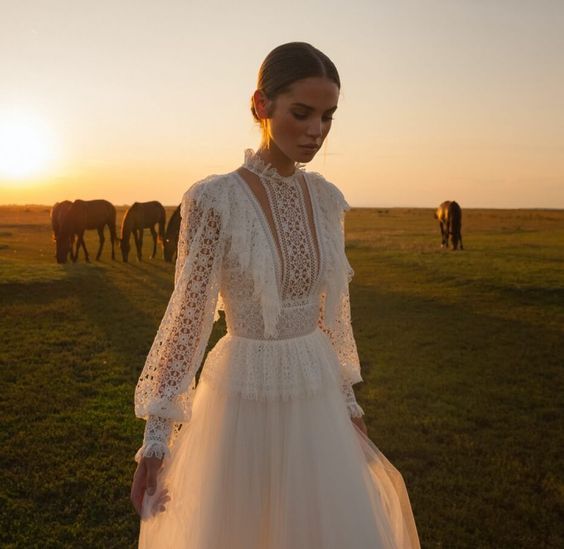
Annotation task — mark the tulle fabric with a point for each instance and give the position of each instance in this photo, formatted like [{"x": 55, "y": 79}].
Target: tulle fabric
[{"x": 277, "y": 473}]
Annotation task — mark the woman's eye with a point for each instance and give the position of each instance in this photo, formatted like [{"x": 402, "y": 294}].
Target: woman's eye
[
  {"x": 328, "y": 118},
  {"x": 299, "y": 115}
]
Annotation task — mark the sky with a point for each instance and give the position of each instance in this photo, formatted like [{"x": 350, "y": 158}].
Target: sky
[{"x": 134, "y": 100}]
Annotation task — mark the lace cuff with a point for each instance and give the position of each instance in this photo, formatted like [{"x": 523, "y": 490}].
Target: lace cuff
[
  {"x": 354, "y": 408},
  {"x": 156, "y": 439}
]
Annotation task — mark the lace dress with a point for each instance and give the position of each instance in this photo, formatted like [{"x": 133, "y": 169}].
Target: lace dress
[{"x": 262, "y": 453}]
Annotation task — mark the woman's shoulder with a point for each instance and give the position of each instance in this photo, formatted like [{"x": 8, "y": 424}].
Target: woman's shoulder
[
  {"x": 209, "y": 195},
  {"x": 328, "y": 191},
  {"x": 211, "y": 188}
]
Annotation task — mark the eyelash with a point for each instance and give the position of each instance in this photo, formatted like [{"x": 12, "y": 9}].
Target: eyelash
[{"x": 299, "y": 116}]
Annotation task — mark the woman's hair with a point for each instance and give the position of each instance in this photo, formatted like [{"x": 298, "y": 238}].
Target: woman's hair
[{"x": 290, "y": 62}]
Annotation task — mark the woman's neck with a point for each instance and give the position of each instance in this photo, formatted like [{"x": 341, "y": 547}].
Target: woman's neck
[{"x": 272, "y": 155}]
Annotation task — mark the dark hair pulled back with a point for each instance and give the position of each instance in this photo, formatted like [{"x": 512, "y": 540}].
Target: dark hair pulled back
[{"x": 290, "y": 62}]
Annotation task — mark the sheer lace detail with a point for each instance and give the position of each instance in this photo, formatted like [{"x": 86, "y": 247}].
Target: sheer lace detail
[
  {"x": 285, "y": 334},
  {"x": 294, "y": 238},
  {"x": 176, "y": 352}
]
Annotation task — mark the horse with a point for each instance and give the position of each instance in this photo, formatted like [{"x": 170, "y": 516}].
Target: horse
[
  {"x": 449, "y": 215},
  {"x": 84, "y": 215},
  {"x": 140, "y": 216},
  {"x": 57, "y": 213},
  {"x": 171, "y": 236}
]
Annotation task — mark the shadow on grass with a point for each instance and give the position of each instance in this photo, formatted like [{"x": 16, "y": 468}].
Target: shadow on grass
[{"x": 466, "y": 405}]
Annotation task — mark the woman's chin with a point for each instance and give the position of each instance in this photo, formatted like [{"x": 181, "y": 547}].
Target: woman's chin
[{"x": 306, "y": 155}]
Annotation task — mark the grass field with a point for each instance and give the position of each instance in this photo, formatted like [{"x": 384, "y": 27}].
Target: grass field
[{"x": 462, "y": 356}]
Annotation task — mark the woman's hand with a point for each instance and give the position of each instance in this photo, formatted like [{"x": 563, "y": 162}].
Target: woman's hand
[
  {"x": 359, "y": 422},
  {"x": 144, "y": 479}
]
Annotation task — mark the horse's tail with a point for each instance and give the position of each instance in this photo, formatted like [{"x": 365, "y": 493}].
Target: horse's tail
[{"x": 162, "y": 222}]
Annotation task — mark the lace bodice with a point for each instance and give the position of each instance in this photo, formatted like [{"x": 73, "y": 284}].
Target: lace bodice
[
  {"x": 272, "y": 257},
  {"x": 293, "y": 232}
]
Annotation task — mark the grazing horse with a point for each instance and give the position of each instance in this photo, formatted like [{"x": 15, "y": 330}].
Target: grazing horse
[
  {"x": 84, "y": 215},
  {"x": 449, "y": 215},
  {"x": 171, "y": 236},
  {"x": 57, "y": 214},
  {"x": 142, "y": 215}
]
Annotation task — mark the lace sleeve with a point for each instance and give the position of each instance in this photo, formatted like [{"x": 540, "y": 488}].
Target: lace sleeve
[
  {"x": 335, "y": 312},
  {"x": 342, "y": 339},
  {"x": 166, "y": 386}
]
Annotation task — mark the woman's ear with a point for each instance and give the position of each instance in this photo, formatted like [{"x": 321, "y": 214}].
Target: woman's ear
[{"x": 262, "y": 104}]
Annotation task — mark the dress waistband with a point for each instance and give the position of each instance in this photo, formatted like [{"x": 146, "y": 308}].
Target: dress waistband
[{"x": 245, "y": 320}]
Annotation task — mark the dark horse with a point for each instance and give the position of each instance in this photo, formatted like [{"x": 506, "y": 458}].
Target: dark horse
[
  {"x": 58, "y": 212},
  {"x": 449, "y": 215},
  {"x": 84, "y": 215},
  {"x": 142, "y": 215},
  {"x": 171, "y": 236}
]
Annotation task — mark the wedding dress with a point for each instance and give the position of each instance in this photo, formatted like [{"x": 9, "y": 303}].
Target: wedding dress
[{"x": 262, "y": 453}]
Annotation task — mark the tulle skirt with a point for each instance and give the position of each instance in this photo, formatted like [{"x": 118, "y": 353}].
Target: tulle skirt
[{"x": 277, "y": 473}]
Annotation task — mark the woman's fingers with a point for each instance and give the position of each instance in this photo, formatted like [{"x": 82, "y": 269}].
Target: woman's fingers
[
  {"x": 138, "y": 487},
  {"x": 152, "y": 466}
]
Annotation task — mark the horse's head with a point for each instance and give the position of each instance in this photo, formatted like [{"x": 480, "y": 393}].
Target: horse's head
[
  {"x": 169, "y": 249},
  {"x": 124, "y": 246},
  {"x": 64, "y": 244}
]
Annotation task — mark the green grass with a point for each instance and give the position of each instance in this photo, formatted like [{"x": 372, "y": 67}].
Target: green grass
[{"x": 462, "y": 359}]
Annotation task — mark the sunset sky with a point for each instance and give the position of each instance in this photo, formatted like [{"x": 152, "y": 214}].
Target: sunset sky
[{"x": 133, "y": 100}]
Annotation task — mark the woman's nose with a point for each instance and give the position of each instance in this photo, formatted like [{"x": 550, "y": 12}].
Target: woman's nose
[{"x": 314, "y": 128}]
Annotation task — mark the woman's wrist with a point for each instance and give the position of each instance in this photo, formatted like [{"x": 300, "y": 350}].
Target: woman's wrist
[{"x": 156, "y": 438}]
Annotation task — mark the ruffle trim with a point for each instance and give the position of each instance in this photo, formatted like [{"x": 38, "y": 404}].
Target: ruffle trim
[
  {"x": 254, "y": 163},
  {"x": 355, "y": 410},
  {"x": 338, "y": 271},
  {"x": 152, "y": 448}
]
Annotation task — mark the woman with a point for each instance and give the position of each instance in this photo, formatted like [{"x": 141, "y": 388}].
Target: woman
[{"x": 270, "y": 450}]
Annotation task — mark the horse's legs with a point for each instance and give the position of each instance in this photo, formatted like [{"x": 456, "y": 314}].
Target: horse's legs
[
  {"x": 102, "y": 240},
  {"x": 154, "y": 235},
  {"x": 80, "y": 242},
  {"x": 136, "y": 240},
  {"x": 139, "y": 243},
  {"x": 460, "y": 240},
  {"x": 112, "y": 238},
  {"x": 444, "y": 241},
  {"x": 74, "y": 249},
  {"x": 70, "y": 252}
]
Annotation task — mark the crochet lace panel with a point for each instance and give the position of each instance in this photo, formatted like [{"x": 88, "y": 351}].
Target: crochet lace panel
[{"x": 291, "y": 227}]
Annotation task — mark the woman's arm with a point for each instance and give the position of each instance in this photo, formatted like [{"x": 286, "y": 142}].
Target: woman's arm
[{"x": 164, "y": 392}]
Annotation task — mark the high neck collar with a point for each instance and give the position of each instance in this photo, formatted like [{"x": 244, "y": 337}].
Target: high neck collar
[{"x": 254, "y": 163}]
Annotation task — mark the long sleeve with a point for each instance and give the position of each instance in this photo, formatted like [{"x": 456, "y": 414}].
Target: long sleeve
[
  {"x": 342, "y": 339},
  {"x": 166, "y": 386},
  {"x": 335, "y": 311}
]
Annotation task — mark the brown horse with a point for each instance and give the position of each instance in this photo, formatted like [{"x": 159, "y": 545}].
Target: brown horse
[
  {"x": 57, "y": 214},
  {"x": 171, "y": 236},
  {"x": 140, "y": 216},
  {"x": 449, "y": 215},
  {"x": 84, "y": 215}
]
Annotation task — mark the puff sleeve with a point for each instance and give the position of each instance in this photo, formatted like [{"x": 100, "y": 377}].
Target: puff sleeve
[{"x": 166, "y": 386}]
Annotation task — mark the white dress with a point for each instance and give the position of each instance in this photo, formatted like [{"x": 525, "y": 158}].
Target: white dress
[{"x": 262, "y": 453}]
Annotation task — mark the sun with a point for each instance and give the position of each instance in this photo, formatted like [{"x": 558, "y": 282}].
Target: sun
[{"x": 27, "y": 147}]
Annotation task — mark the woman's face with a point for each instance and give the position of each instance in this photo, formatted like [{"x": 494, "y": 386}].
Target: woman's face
[{"x": 300, "y": 118}]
